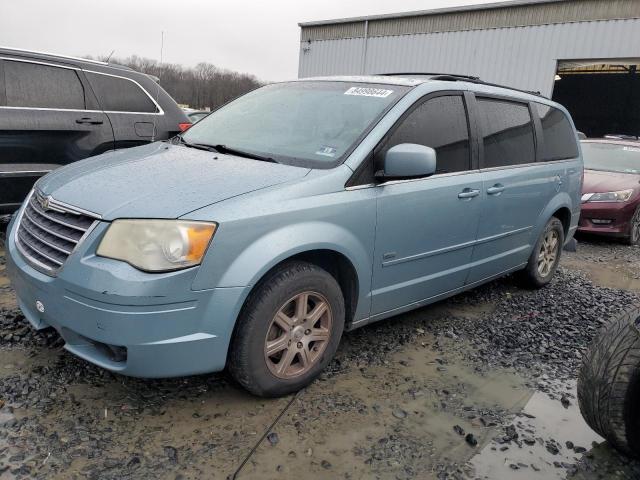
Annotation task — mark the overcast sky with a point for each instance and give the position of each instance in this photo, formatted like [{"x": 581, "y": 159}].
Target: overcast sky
[{"x": 258, "y": 37}]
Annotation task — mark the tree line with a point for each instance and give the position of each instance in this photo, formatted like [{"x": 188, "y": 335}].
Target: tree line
[{"x": 202, "y": 87}]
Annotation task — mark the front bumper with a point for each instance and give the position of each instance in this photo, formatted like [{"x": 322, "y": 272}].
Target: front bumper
[
  {"x": 619, "y": 214},
  {"x": 124, "y": 320}
]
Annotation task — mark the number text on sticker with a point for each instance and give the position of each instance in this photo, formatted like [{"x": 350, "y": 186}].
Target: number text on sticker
[{"x": 369, "y": 92}]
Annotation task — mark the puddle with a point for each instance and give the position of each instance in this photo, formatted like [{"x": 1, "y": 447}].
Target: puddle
[
  {"x": 392, "y": 421},
  {"x": 617, "y": 278},
  {"x": 607, "y": 263},
  {"x": 541, "y": 451},
  {"x": 19, "y": 360}
]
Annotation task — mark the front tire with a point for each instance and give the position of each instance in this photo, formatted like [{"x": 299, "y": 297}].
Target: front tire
[
  {"x": 288, "y": 330},
  {"x": 634, "y": 229},
  {"x": 609, "y": 383},
  {"x": 544, "y": 259}
]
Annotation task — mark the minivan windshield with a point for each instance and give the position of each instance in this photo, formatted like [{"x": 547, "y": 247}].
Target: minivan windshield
[
  {"x": 309, "y": 123},
  {"x": 611, "y": 157}
]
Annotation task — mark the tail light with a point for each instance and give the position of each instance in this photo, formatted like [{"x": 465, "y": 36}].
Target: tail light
[{"x": 184, "y": 126}]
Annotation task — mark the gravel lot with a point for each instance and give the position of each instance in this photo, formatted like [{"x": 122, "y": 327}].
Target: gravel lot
[{"x": 478, "y": 386}]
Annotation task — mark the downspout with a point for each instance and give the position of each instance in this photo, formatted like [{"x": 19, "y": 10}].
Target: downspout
[{"x": 364, "y": 50}]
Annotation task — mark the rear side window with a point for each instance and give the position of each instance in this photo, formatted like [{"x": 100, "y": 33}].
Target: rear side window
[
  {"x": 559, "y": 140},
  {"x": 117, "y": 94},
  {"x": 31, "y": 85},
  {"x": 507, "y": 132},
  {"x": 439, "y": 123}
]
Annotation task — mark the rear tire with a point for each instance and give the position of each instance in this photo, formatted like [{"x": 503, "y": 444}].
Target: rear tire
[
  {"x": 609, "y": 383},
  {"x": 544, "y": 259},
  {"x": 279, "y": 345}
]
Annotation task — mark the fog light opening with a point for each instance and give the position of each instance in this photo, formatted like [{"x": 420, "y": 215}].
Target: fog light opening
[{"x": 113, "y": 352}]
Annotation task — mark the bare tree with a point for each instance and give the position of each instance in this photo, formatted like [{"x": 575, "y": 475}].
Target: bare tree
[{"x": 204, "y": 86}]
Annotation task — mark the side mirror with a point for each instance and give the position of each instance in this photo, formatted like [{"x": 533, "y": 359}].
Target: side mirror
[{"x": 408, "y": 160}]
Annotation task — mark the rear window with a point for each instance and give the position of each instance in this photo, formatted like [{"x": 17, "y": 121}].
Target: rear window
[
  {"x": 507, "y": 132},
  {"x": 559, "y": 140},
  {"x": 31, "y": 85},
  {"x": 117, "y": 94}
]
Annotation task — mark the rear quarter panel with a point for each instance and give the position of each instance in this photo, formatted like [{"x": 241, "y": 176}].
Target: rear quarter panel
[{"x": 567, "y": 195}]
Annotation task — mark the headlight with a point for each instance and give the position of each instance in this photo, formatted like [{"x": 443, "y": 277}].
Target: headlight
[
  {"x": 621, "y": 196},
  {"x": 157, "y": 245}
]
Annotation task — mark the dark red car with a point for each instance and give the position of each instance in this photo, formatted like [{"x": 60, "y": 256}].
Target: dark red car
[{"x": 611, "y": 191}]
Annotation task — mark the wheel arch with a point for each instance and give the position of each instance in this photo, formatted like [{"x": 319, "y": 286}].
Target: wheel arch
[
  {"x": 564, "y": 215},
  {"x": 336, "y": 264},
  {"x": 559, "y": 207},
  {"x": 341, "y": 253}
]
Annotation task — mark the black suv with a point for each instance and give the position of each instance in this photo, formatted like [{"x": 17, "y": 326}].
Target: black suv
[{"x": 55, "y": 110}]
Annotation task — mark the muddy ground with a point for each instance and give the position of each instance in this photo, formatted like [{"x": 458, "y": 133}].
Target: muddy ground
[{"x": 479, "y": 386}]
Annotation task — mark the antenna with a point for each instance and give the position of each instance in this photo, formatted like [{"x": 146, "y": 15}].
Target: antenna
[
  {"x": 153, "y": 136},
  {"x": 109, "y": 57}
]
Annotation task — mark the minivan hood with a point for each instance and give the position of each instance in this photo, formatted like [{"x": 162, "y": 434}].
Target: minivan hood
[{"x": 160, "y": 180}]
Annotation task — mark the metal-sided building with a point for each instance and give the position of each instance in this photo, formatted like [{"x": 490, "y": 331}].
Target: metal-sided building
[{"x": 583, "y": 53}]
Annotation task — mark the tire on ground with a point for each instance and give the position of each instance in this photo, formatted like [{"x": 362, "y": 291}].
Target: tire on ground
[
  {"x": 634, "y": 233},
  {"x": 609, "y": 383},
  {"x": 246, "y": 361},
  {"x": 530, "y": 276}
]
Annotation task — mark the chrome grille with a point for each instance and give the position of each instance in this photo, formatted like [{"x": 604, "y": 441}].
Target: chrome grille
[{"x": 48, "y": 231}]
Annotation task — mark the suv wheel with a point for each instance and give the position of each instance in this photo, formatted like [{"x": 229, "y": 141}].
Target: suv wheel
[
  {"x": 609, "y": 383},
  {"x": 288, "y": 330},
  {"x": 545, "y": 257}
]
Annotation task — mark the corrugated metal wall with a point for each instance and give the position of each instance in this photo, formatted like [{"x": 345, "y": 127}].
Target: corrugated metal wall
[
  {"x": 477, "y": 19},
  {"x": 522, "y": 57},
  {"x": 525, "y": 15}
]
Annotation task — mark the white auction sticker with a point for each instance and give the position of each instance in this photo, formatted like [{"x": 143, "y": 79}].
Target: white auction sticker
[
  {"x": 327, "y": 151},
  {"x": 369, "y": 92}
]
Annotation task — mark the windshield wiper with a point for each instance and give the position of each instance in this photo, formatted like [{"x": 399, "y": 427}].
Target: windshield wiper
[
  {"x": 225, "y": 149},
  {"x": 242, "y": 153},
  {"x": 199, "y": 146}
]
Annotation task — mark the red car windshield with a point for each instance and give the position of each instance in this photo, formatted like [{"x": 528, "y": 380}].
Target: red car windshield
[{"x": 611, "y": 157}]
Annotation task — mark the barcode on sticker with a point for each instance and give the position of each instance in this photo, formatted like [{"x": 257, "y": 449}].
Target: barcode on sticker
[{"x": 369, "y": 92}]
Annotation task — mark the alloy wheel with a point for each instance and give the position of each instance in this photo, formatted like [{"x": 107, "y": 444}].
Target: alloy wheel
[
  {"x": 298, "y": 335},
  {"x": 548, "y": 253}
]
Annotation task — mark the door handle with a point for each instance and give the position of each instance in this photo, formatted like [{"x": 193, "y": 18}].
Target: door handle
[
  {"x": 497, "y": 189},
  {"x": 89, "y": 121},
  {"x": 468, "y": 193}
]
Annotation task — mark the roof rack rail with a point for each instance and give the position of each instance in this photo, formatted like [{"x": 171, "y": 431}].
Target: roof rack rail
[
  {"x": 427, "y": 74},
  {"x": 57, "y": 55},
  {"x": 460, "y": 78},
  {"x": 452, "y": 77}
]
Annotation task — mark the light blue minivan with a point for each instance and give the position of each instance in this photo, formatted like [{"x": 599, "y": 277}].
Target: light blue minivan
[{"x": 297, "y": 211}]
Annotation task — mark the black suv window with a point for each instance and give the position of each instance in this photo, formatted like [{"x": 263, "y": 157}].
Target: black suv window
[
  {"x": 439, "y": 123},
  {"x": 559, "y": 139},
  {"x": 117, "y": 94},
  {"x": 507, "y": 132},
  {"x": 42, "y": 86}
]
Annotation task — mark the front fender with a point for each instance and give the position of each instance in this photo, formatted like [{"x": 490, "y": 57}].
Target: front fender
[{"x": 276, "y": 246}]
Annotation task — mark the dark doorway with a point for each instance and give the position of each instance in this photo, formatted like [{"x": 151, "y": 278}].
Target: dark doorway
[{"x": 602, "y": 99}]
